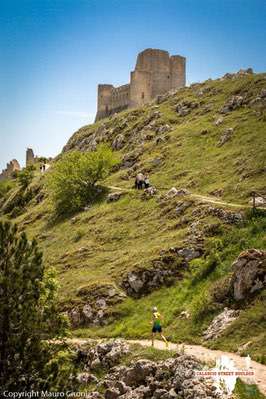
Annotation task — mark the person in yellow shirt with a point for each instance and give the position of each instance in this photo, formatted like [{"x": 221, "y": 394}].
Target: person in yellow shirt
[{"x": 157, "y": 325}]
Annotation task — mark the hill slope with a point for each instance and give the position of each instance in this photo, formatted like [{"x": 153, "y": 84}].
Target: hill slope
[{"x": 117, "y": 259}]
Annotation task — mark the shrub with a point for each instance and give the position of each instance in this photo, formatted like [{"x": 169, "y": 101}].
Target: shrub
[
  {"x": 25, "y": 177},
  {"x": 5, "y": 187},
  {"x": 72, "y": 182}
]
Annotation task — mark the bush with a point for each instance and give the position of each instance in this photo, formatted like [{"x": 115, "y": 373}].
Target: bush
[
  {"x": 72, "y": 182},
  {"x": 5, "y": 187},
  {"x": 25, "y": 177}
]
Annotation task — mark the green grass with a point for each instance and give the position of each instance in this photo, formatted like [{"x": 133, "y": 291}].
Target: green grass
[
  {"x": 246, "y": 391},
  {"x": 109, "y": 239}
]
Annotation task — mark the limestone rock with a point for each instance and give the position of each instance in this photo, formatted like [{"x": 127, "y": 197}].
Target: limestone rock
[
  {"x": 96, "y": 304},
  {"x": 225, "y": 215},
  {"x": 163, "y": 271},
  {"x": 218, "y": 121},
  {"x": 232, "y": 104},
  {"x": 118, "y": 142},
  {"x": 150, "y": 192},
  {"x": 184, "y": 315},
  {"x": 226, "y": 136},
  {"x": 174, "y": 192},
  {"x": 249, "y": 274},
  {"x": 220, "y": 323},
  {"x": 145, "y": 379},
  {"x": 113, "y": 197}
]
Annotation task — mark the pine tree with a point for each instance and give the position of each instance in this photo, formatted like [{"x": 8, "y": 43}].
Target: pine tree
[{"x": 28, "y": 312}]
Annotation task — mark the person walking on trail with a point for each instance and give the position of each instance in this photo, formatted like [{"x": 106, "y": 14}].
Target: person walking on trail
[{"x": 157, "y": 326}]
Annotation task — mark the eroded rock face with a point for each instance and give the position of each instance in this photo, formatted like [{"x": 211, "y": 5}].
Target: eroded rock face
[
  {"x": 232, "y": 104},
  {"x": 220, "y": 323},
  {"x": 163, "y": 271},
  {"x": 96, "y": 305},
  {"x": 249, "y": 274},
  {"x": 226, "y": 136}
]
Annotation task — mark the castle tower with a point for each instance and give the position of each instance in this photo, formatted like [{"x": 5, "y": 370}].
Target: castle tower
[
  {"x": 29, "y": 156},
  {"x": 104, "y": 100},
  {"x": 155, "y": 73},
  {"x": 177, "y": 71}
]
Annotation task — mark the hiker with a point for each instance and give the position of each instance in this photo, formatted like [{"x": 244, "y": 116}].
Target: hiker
[
  {"x": 146, "y": 181},
  {"x": 157, "y": 326},
  {"x": 139, "y": 181}
]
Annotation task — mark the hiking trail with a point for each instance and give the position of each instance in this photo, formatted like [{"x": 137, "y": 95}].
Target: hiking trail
[{"x": 200, "y": 197}]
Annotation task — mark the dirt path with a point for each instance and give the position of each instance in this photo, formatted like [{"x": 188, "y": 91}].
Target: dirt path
[
  {"x": 204, "y": 198},
  {"x": 205, "y": 355}
]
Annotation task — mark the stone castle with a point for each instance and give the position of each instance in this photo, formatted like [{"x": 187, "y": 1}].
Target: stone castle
[
  {"x": 156, "y": 73},
  {"x": 13, "y": 166}
]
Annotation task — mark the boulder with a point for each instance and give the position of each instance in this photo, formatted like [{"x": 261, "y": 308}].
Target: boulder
[
  {"x": 249, "y": 274},
  {"x": 118, "y": 142},
  {"x": 225, "y": 215},
  {"x": 232, "y": 104},
  {"x": 111, "y": 393},
  {"x": 218, "y": 121},
  {"x": 144, "y": 379},
  {"x": 226, "y": 136},
  {"x": 174, "y": 192},
  {"x": 113, "y": 197},
  {"x": 220, "y": 323},
  {"x": 150, "y": 192}
]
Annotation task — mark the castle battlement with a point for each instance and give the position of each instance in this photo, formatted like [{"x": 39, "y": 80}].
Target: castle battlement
[{"x": 155, "y": 73}]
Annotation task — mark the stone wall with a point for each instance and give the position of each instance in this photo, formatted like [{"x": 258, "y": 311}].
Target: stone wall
[
  {"x": 155, "y": 73},
  {"x": 11, "y": 167},
  {"x": 30, "y": 159}
]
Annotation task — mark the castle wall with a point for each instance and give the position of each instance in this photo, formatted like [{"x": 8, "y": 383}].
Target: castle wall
[
  {"x": 11, "y": 167},
  {"x": 111, "y": 99},
  {"x": 177, "y": 71},
  {"x": 155, "y": 73},
  {"x": 140, "y": 88}
]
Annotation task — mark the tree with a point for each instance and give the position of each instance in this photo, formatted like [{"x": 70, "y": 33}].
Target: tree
[
  {"x": 29, "y": 313},
  {"x": 72, "y": 181}
]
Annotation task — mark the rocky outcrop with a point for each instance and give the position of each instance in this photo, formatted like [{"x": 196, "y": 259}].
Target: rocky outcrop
[
  {"x": 115, "y": 196},
  {"x": 225, "y": 215},
  {"x": 249, "y": 274},
  {"x": 168, "y": 379},
  {"x": 95, "y": 307},
  {"x": 232, "y": 104},
  {"x": 220, "y": 323},
  {"x": 226, "y": 136},
  {"x": 163, "y": 271},
  {"x": 185, "y": 107},
  {"x": 174, "y": 192}
]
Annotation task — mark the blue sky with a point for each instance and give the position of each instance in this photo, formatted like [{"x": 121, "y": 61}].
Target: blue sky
[{"x": 53, "y": 53}]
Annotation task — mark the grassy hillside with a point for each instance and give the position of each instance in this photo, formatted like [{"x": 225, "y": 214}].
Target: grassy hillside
[{"x": 188, "y": 141}]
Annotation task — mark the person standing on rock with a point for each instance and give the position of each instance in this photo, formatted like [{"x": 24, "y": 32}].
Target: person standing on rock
[{"x": 157, "y": 326}]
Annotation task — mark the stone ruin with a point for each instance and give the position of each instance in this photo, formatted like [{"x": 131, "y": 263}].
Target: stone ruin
[
  {"x": 11, "y": 167},
  {"x": 156, "y": 73},
  {"x": 30, "y": 157}
]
